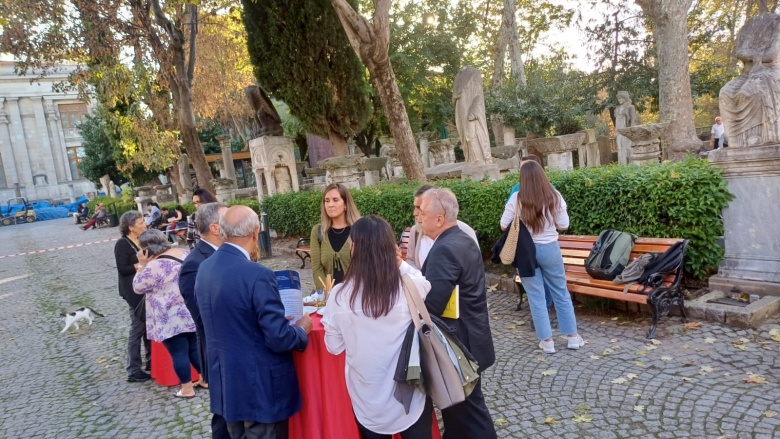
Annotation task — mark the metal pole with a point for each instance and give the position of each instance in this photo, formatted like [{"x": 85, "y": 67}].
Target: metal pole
[{"x": 265, "y": 236}]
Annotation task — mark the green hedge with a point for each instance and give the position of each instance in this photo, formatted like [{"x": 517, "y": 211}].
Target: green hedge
[
  {"x": 122, "y": 205},
  {"x": 668, "y": 200}
]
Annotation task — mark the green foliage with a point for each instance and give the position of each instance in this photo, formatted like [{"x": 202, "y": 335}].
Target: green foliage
[
  {"x": 553, "y": 102},
  {"x": 302, "y": 56},
  {"x": 98, "y": 157},
  {"x": 669, "y": 200},
  {"x": 122, "y": 206}
]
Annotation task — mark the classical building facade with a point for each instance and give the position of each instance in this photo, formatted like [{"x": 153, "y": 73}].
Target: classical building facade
[{"x": 40, "y": 147}]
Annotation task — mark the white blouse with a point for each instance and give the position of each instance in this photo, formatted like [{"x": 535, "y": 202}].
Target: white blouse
[
  {"x": 373, "y": 347},
  {"x": 550, "y": 232}
]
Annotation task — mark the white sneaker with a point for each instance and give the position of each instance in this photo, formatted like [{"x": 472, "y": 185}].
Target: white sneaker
[
  {"x": 576, "y": 342},
  {"x": 547, "y": 346}
]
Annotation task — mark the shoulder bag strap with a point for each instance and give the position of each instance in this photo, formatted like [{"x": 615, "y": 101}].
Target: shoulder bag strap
[
  {"x": 411, "y": 291},
  {"x": 173, "y": 258}
]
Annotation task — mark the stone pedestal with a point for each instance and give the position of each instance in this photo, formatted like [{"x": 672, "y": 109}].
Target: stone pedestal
[
  {"x": 163, "y": 194},
  {"x": 480, "y": 172},
  {"x": 751, "y": 228},
  {"x": 273, "y": 162},
  {"x": 645, "y": 143},
  {"x": 343, "y": 169},
  {"x": 372, "y": 168},
  {"x": 558, "y": 149},
  {"x": 603, "y": 151},
  {"x": 143, "y": 196},
  {"x": 441, "y": 152},
  {"x": 227, "y": 157},
  {"x": 509, "y": 136},
  {"x": 224, "y": 189},
  {"x": 424, "y": 154}
]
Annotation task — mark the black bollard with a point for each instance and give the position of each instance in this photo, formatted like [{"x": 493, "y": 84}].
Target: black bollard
[{"x": 265, "y": 236}]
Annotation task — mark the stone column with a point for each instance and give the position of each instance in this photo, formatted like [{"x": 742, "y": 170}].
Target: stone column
[
  {"x": 7, "y": 150},
  {"x": 42, "y": 132},
  {"x": 18, "y": 142},
  {"x": 752, "y": 236},
  {"x": 227, "y": 158},
  {"x": 604, "y": 150},
  {"x": 57, "y": 147},
  {"x": 259, "y": 183},
  {"x": 426, "y": 159},
  {"x": 589, "y": 152},
  {"x": 645, "y": 142},
  {"x": 509, "y": 136}
]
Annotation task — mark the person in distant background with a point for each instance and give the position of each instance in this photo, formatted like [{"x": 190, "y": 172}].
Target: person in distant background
[
  {"x": 716, "y": 138},
  {"x": 199, "y": 197},
  {"x": 100, "y": 213}
]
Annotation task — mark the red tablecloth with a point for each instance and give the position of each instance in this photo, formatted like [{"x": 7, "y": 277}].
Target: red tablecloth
[
  {"x": 162, "y": 366},
  {"x": 326, "y": 412}
]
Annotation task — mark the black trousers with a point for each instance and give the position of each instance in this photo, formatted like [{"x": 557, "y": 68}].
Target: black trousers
[
  {"x": 469, "y": 419},
  {"x": 421, "y": 429},
  {"x": 219, "y": 428},
  {"x": 258, "y": 430},
  {"x": 202, "y": 352}
]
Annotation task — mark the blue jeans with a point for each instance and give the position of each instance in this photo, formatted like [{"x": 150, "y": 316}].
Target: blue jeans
[
  {"x": 551, "y": 275},
  {"x": 183, "y": 349}
]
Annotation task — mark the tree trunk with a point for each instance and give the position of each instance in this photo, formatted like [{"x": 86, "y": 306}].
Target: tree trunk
[
  {"x": 670, "y": 32},
  {"x": 338, "y": 143},
  {"x": 371, "y": 42}
]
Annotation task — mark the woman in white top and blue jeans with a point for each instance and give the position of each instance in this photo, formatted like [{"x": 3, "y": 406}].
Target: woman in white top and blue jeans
[
  {"x": 367, "y": 316},
  {"x": 543, "y": 211}
]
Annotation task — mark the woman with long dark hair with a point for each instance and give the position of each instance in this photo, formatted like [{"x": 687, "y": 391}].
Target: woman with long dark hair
[
  {"x": 329, "y": 240},
  {"x": 367, "y": 316},
  {"x": 543, "y": 211}
]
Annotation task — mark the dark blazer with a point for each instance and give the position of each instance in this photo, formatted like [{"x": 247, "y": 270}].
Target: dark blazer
[
  {"x": 189, "y": 270},
  {"x": 453, "y": 260},
  {"x": 251, "y": 370},
  {"x": 125, "y": 255}
]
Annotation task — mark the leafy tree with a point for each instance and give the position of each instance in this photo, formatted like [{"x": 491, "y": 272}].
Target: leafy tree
[{"x": 301, "y": 56}]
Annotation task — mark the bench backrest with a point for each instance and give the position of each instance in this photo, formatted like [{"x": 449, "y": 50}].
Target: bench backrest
[{"x": 576, "y": 248}]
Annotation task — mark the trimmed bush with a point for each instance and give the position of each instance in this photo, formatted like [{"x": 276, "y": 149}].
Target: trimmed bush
[{"x": 122, "y": 206}]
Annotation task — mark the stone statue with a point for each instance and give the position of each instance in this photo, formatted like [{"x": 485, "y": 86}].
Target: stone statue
[
  {"x": 268, "y": 122},
  {"x": 750, "y": 103},
  {"x": 282, "y": 179},
  {"x": 112, "y": 189},
  {"x": 184, "y": 172},
  {"x": 469, "y": 101},
  {"x": 625, "y": 116}
]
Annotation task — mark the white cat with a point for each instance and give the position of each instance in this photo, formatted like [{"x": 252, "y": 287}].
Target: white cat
[{"x": 72, "y": 318}]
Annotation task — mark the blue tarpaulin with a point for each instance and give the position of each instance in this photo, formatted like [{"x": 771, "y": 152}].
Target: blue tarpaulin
[{"x": 44, "y": 210}]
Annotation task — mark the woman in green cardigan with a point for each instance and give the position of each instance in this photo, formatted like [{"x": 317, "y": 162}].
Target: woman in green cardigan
[{"x": 330, "y": 252}]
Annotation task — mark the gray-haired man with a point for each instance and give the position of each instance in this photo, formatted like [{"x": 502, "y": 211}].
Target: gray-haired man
[{"x": 207, "y": 224}]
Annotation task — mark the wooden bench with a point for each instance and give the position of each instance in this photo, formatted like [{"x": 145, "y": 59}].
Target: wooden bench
[
  {"x": 575, "y": 250},
  {"x": 303, "y": 250}
]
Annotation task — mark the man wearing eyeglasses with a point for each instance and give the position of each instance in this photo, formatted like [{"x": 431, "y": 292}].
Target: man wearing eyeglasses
[{"x": 455, "y": 259}]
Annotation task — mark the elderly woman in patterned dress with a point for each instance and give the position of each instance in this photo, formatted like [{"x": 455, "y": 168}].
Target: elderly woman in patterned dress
[{"x": 168, "y": 321}]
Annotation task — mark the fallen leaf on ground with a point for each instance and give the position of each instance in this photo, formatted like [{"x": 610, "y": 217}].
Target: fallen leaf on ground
[
  {"x": 727, "y": 374},
  {"x": 774, "y": 331},
  {"x": 687, "y": 379},
  {"x": 511, "y": 327},
  {"x": 639, "y": 364},
  {"x": 541, "y": 359},
  {"x": 100, "y": 360},
  {"x": 741, "y": 347},
  {"x": 619, "y": 380},
  {"x": 692, "y": 325},
  {"x": 666, "y": 358},
  {"x": 492, "y": 288},
  {"x": 550, "y": 420},
  {"x": 631, "y": 376},
  {"x": 688, "y": 363},
  {"x": 769, "y": 414},
  {"x": 519, "y": 322},
  {"x": 582, "y": 418},
  {"x": 686, "y": 346},
  {"x": 594, "y": 357},
  {"x": 637, "y": 395},
  {"x": 549, "y": 372},
  {"x": 606, "y": 353},
  {"x": 754, "y": 378},
  {"x": 705, "y": 370},
  {"x": 651, "y": 347},
  {"x": 639, "y": 408},
  {"x": 500, "y": 422},
  {"x": 641, "y": 352},
  {"x": 776, "y": 338},
  {"x": 614, "y": 340},
  {"x": 655, "y": 342},
  {"x": 710, "y": 340},
  {"x": 614, "y": 318},
  {"x": 743, "y": 340}
]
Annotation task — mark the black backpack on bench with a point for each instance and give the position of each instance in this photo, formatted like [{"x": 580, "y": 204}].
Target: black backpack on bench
[{"x": 670, "y": 261}]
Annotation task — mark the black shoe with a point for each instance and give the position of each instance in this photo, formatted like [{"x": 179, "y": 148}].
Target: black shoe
[
  {"x": 138, "y": 377},
  {"x": 148, "y": 367},
  {"x": 519, "y": 306}
]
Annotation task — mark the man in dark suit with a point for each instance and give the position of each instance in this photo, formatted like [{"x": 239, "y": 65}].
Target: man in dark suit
[
  {"x": 455, "y": 259},
  {"x": 208, "y": 227},
  {"x": 253, "y": 384}
]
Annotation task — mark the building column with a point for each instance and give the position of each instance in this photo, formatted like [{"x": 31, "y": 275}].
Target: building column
[
  {"x": 57, "y": 147},
  {"x": 19, "y": 144},
  {"x": 7, "y": 150},
  {"x": 42, "y": 131}
]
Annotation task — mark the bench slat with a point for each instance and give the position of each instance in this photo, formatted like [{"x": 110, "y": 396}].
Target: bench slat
[
  {"x": 576, "y": 246},
  {"x": 641, "y": 240},
  {"x": 609, "y": 294},
  {"x": 584, "y": 279}
]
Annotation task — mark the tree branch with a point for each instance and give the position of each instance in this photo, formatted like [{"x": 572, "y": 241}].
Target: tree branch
[
  {"x": 193, "y": 33},
  {"x": 381, "y": 30},
  {"x": 356, "y": 26}
]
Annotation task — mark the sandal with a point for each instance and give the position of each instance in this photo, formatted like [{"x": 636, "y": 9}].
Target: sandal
[
  {"x": 196, "y": 384},
  {"x": 180, "y": 395}
]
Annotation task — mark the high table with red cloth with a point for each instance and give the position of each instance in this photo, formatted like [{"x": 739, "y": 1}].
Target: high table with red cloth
[
  {"x": 326, "y": 412},
  {"x": 162, "y": 366}
]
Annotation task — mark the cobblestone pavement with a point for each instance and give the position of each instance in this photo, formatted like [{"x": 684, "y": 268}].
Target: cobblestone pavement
[{"x": 72, "y": 385}]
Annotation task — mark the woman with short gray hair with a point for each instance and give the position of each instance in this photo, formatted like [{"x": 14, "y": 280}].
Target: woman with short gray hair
[
  {"x": 168, "y": 321},
  {"x": 131, "y": 225}
]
